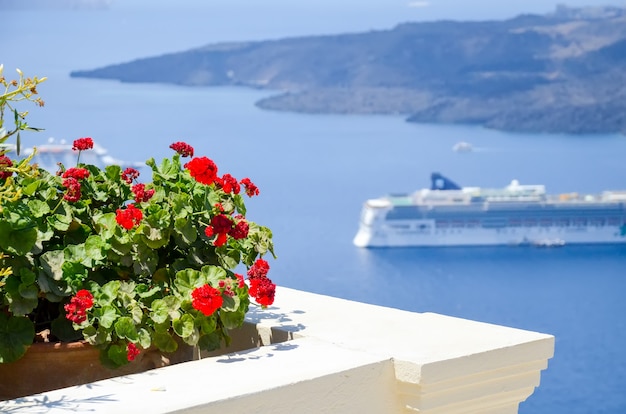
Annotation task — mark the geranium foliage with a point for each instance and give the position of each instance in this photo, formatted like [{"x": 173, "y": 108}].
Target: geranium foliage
[{"x": 125, "y": 263}]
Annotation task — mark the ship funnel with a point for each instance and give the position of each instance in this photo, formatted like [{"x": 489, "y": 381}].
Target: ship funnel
[{"x": 439, "y": 182}]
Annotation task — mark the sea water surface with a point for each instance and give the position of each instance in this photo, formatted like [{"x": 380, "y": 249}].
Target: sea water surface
[{"x": 315, "y": 171}]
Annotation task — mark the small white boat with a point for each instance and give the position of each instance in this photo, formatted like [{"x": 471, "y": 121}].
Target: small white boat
[
  {"x": 462, "y": 146},
  {"x": 549, "y": 243}
]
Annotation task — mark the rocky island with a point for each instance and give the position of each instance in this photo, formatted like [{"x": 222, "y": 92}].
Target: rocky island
[{"x": 564, "y": 72}]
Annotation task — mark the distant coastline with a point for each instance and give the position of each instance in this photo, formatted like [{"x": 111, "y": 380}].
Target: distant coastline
[{"x": 564, "y": 72}]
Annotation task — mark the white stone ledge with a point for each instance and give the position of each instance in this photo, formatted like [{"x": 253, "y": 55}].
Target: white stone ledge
[{"x": 317, "y": 354}]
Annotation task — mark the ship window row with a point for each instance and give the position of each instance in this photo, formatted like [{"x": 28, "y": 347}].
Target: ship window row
[
  {"x": 532, "y": 222},
  {"x": 451, "y": 213}
]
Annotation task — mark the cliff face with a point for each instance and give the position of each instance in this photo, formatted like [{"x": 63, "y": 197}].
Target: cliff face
[{"x": 563, "y": 72}]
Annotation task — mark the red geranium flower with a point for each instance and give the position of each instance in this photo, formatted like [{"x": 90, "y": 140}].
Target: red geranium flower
[
  {"x": 262, "y": 290},
  {"x": 184, "y": 149},
  {"x": 82, "y": 144},
  {"x": 209, "y": 231},
  {"x": 130, "y": 174},
  {"x": 78, "y": 306},
  {"x": 77, "y": 173},
  {"x": 221, "y": 239},
  {"x": 73, "y": 190},
  {"x": 229, "y": 184},
  {"x": 5, "y": 162},
  {"x": 251, "y": 189},
  {"x": 141, "y": 194},
  {"x": 221, "y": 225},
  {"x": 259, "y": 269},
  {"x": 206, "y": 299},
  {"x": 129, "y": 217},
  {"x": 132, "y": 351},
  {"x": 240, "y": 281},
  {"x": 202, "y": 169},
  {"x": 240, "y": 231}
]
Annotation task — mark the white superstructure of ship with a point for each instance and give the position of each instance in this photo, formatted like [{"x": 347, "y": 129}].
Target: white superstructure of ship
[{"x": 449, "y": 215}]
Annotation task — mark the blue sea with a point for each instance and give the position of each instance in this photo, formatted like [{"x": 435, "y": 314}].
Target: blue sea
[{"x": 315, "y": 171}]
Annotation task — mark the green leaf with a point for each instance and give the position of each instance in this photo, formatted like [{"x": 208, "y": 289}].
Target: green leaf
[
  {"x": 108, "y": 292},
  {"x": 165, "y": 342},
  {"x": 207, "y": 324},
  {"x": 95, "y": 248},
  {"x": 213, "y": 274},
  {"x": 113, "y": 172},
  {"x": 76, "y": 253},
  {"x": 230, "y": 303},
  {"x": 105, "y": 225},
  {"x": 106, "y": 315},
  {"x": 117, "y": 355},
  {"x": 125, "y": 328},
  {"x": 210, "y": 342},
  {"x": 184, "y": 326},
  {"x": 165, "y": 309},
  {"x": 189, "y": 279},
  {"x": 38, "y": 208},
  {"x": 232, "y": 320},
  {"x": 230, "y": 259},
  {"x": 146, "y": 260},
  {"x": 168, "y": 170},
  {"x": 144, "y": 338},
  {"x": 17, "y": 237},
  {"x": 16, "y": 335},
  {"x": 60, "y": 221},
  {"x": 63, "y": 329},
  {"x": 28, "y": 291},
  {"x": 186, "y": 230},
  {"x": 74, "y": 273},
  {"x": 14, "y": 287},
  {"x": 52, "y": 263},
  {"x": 239, "y": 204}
]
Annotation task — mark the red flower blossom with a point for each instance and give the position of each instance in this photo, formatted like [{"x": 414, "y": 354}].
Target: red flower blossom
[
  {"x": 206, "y": 299},
  {"x": 129, "y": 217},
  {"x": 82, "y": 144},
  {"x": 202, "y": 169},
  {"x": 184, "y": 149},
  {"x": 221, "y": 239},
  {"x": 240, "y": 231},
  {"x": 130, "y": 174},
  {"x": 259, "y": 269},
  {"x": 73, "y": 190},
  {"x": 78, "y": 306},
  {"x": 5, "y": 162},
  {"x": 132, "y": 351},
  {"x": 141, "y": 194},
  {"x": 221, "y": 225},
  {"x": 209, "y": 231},
  {"x": 240, "y": 281},
  {"x": 77, "y": 173},
  {"x": 229, "y": 184},
  {"x": 262, "y": 290},
  {"x": 251, "y": 189}
]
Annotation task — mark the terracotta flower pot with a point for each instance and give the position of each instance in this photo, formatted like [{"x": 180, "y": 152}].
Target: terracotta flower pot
[{"x": 50, "y": 366}]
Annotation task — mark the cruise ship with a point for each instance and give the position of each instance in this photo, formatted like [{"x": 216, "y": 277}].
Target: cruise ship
[
  {"x": 49, "y": 155},
  {"x": 449, "y": 215}
]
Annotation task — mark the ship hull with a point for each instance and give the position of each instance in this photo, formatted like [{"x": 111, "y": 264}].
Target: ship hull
[{"x": 536, "y": 236}]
